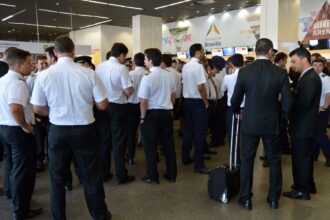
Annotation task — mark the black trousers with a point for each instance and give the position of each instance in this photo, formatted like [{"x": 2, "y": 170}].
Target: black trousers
[
  {"x": 321, "y": 139},
  {"x": 21, "y": 152},
  {"x": 195, "y": 129},
  {"x": 133, "y": 121},
  {"x": 249, "y": 145},
  {"x": 302, "y": 163},
  {"x": 218, "y": 122},
  {"x": 117, "y": 116},
  {"x": 158, "y": 126},
  {"x": 41, "y": 134},
  {"x": 104, "y": 136},
  {"x": 80, "y": 143}
]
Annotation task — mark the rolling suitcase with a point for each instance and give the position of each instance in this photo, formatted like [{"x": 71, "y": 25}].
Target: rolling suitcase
[{"x": 223, "y": 181}]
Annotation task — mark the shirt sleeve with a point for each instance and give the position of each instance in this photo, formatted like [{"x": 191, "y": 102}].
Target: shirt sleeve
[
  {"x": 200, "y": 75},
  {"x": 124, "y": 78},
  {"x": 173, "y": 83},
  {"x": 38, "y": 95},
  {"x": 99, "y": 91},
  {"x": 18, "y": 93},
  {"x": 144, "y": 91},
  {"x": 224, "y": 87}
]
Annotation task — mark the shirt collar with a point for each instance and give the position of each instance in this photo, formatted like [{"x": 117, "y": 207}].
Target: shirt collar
[
  {"x": 305, "y": 71},
  {"x": 65, "y": 60},
  {"x": 154, "y": 68},
  {"x": 16, "y": 75},
  {"x": 113, "y": 59},
  {"x": 262, "y": 58},
  {"x": 195, "y": 60}
]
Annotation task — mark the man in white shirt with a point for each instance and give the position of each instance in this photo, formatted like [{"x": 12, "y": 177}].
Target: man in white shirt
[
  {"x": 41, "y": 64},
  {"x": 166, "y": 64},
  {"x": 321, "y": 139},
  {"x": 133, "y": 109},
  {"x": 66, "y": 92},
  {"x": 157, "y": 95},
  {"x": 16, "y": 130},
  {"x": 195, "y": 93},
  {"x": 235, "y": 62},
  {"x": 115, "y": 77}
]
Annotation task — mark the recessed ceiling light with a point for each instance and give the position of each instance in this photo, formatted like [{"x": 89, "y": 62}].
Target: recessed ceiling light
[
  {"x": 8, "y": 5},
  {"x": 172, "y": 4},
  {"x": 9, "y": 31},
  {"x": 11, "y": 16},
  {"x": 111, "y": 4},
  {"x": 171, "y": 17},
  {"x": 197, "y": 12},
  {"x": 229, "y": 5},
  {"x": 247, "y": 1},
  {"x": 69, "y": 13},
  {"x": 212, "y": 8},
  {"x": 57, "y": 3},
  {"x": 91, "y": 25}
]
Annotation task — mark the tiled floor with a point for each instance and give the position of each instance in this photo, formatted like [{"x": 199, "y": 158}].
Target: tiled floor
[{"x": 187, "y": 198}]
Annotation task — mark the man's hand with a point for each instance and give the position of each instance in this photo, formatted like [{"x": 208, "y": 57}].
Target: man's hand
[{"x": 29, "y": 129}]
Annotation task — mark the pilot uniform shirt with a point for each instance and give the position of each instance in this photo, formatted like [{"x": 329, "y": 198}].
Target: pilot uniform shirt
[
  {"x": 115, "y": 77},
  {"x": 135, "y": 77},
  {"x": 69, "y": 90},
  {"x": 157, "y": 88},
  {"x": 193, "y": 74},
  {"x": 13, "y": 90},
  {"x": 325, "y": 79},
  {"x": 213, "y": 85},
  {"x": 178, "y": 81},
  {"x": 228, "y": 84}
]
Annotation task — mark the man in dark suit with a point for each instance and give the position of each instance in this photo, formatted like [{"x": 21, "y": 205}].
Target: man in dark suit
[
  {"x": 266, "y": 90},
  {"x": 304, "y": 124}
]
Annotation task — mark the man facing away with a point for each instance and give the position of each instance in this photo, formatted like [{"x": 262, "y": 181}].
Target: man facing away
[
  {"x": 66, "y": 92},
  {"x": 261, "y": 82}
]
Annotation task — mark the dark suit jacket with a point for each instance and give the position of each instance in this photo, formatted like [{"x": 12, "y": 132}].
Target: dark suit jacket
[
  {"x": 261, "y": 82},
  {"x": 305, "y": 111}
]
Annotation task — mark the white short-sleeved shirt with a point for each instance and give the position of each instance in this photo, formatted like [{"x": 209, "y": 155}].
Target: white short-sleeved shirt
[
  {"x": 178, "y": 81},
  {"x": 69, "y": 90},
  {"x": 115, "y": 78},
  {"x": 193, "y": 74},
  {"x": 135, "y": 77},
  {"x": 228, "y": 84},
  {"x": 325, "y": 79},
  {"x": 13, "y": 90},
  {"x": 213, "y": 89},
  {"x": 30, "y": 80},
  {"x": 157, "y": 88}
]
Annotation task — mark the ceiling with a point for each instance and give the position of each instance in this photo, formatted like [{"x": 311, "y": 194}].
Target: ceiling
[{"x": 102, "y": 10}]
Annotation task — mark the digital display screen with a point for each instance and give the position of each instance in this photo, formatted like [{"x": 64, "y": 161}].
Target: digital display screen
[
  {"x": 181, "y": 55},
  {"x": 228, "y": 51},
  {"x": 217, "y": 52},
  {"x": 242, "y": 50}
]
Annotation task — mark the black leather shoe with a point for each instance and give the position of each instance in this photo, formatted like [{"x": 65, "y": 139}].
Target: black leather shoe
[
  {"x": 187, "y": 162},
  {"x": 33, "y": 213},
  {"x": 170, "y": 179},
  {"x": 40, "y": 167},
  {"x": 68, "y": 188},
  {"x": 273, "y": 204},
  {"x": 148, "y": 180},
  {"x": 124, "y": 180},
  {"x": 107, "y": 177},
  {"x": 246, "y": 204},
  {"x": 312, "y": 189},
  {"x": 208, "y": 151},
  {"x": 294, "y": 194},
  {"x": 203, "y": 170}
]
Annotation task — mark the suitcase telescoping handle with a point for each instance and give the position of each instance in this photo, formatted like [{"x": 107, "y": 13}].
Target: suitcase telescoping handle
[{"x": 231, "y": 164}]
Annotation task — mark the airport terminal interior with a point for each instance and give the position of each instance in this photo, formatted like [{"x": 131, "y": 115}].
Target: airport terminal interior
[{"x": 225, "y": 37}]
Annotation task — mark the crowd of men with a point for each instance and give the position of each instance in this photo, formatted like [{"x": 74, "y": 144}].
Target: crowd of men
[{"x": 83, "y": 116}]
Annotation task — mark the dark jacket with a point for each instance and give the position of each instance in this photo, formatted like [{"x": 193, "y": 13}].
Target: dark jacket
[
  {"x": 305, "y": 111},
  {"x": 262, "y": 82}
]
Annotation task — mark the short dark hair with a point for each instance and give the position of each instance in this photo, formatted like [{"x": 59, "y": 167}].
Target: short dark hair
[
  {"x": 167, "y": 60},
  {"x": 50, "y": 51},
  {"x": 263, "y": 45},
  {"x": 319, "y": 61},
  {"x": 3, "y": 68},
  {"x": 155, "y": 55},
  {"x": 16, "y": 56},
  {"x": 41, "y": 58},
  {"x": 194, "y": 48},
  {"x": 280, "y": 56},
  {"x": 174, "y": 61},
  {"x": 63, "y": 44},
  {"x": 139, "y": 59},
  {"x": 301, "y": 52},
  {"x": 108, "y": 55},
  {"x": 118, "y": 49},
  {"x": 317, "y": 55},
  {"x": 237, "y": 60}
]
